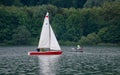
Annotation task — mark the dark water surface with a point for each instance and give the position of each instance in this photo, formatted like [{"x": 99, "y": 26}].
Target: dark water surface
[{"x": 93, "y": 61}]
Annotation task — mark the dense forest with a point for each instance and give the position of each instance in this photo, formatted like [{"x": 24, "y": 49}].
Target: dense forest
[{"x": 84, "y": 22}]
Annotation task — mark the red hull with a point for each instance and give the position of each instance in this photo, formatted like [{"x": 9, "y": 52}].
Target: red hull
[{"x": 45, "y": 53}]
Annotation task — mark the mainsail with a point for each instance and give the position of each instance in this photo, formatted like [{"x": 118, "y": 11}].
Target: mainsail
[{"x": 47, "y": 37}]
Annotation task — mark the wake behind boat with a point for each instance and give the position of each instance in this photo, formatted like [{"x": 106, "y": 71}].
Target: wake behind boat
[{"x": 47, "y": 41}]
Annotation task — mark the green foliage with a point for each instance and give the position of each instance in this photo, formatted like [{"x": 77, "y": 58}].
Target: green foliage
[
  {"x": 71, "y": 25},
  {"x": 73, "y": 28},
  {"x": 111, "y": 12},
  {"x": 89, "y": 21},
  {"x": 91, "y": 3},
  {"x": 96, "y": 3},
  {"x": 83, "y": 41},
  {"x": 58, "y": 3},
  {"x": 21, "y": 36},
  {"x": 110, "y": 34},
  {"x": 10, "y": 19},
  {"x": 11, "y": 2},
  {"x": 59, "y": 27},
  {"x": 91, "y": 39}
]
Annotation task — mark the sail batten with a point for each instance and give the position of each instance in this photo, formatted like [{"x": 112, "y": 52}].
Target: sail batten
[{"x": 47, "y": 37}]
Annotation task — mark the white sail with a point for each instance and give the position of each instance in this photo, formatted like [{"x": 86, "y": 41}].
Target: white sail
[
  {"x": 47, "y": 37},
  {"x": 54, "y": 43},
  {"x": 44, "y": 37}
]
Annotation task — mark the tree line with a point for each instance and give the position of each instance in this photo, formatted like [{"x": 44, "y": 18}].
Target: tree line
[
  {"x": 85, "y": 26},
  {"x": 58, "y": 3}
]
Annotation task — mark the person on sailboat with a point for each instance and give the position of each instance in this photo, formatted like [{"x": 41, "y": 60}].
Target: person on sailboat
[
  {"x": 79, "y": 48},
  {"x": 42, "y": 49},
  {"x": 38, "y": 49}
]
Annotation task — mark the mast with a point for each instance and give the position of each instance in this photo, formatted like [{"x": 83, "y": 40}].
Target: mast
[
  {"x": 49, "y": 36},
  {"x": 47, "y": 16}
]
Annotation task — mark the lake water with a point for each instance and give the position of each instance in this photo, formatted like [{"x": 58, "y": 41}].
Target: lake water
[{"x": 93, "y": 61}]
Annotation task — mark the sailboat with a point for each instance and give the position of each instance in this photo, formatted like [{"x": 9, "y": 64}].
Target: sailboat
[{"x": 47, "y": 40}]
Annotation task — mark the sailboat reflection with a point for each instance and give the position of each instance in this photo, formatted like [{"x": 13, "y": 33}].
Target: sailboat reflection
[{"x": 48, "y": 64}]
